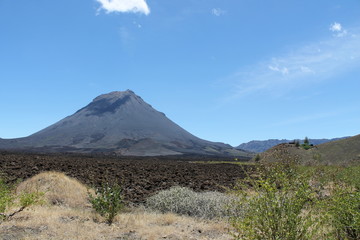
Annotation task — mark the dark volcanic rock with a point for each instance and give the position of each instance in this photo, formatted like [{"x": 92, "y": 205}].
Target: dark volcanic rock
[
  {"x": 122, "y": 123},
  {"x": 140, "y": 177}
]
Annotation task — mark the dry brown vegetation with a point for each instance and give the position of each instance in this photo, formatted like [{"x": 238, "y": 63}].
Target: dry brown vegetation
[{"x": 67, "y": 215}]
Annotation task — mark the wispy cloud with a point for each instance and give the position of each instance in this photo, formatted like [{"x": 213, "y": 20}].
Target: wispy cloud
[
  {"x": 309, "y": 63},
  {"x": 138, "y": 25},
  {"x": 218, "y": 12},
  {"x": 124, "y": 36},
  {"x": 283, "y": 70},
  {"x": 315, "y": 116},
  {"x": 307, "y": 118},
  {"x": 134, "y": 6}
]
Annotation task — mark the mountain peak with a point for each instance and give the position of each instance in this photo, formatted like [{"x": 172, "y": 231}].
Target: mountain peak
[
  {"x": 111, "y": 102},
  {"x": 113, "y": 96}
]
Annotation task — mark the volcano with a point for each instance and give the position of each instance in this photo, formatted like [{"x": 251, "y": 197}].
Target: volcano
[{"x": 121, "y": 123}]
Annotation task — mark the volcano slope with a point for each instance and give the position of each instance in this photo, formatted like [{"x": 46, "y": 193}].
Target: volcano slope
[{"x": 140, "y": 177}]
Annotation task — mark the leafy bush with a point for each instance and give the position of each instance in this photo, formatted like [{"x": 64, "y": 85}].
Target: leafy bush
[
  {"x": 276, "y": 205},
  {"x": 344, "y": 208},
  {"x": 184, "y": 201},
  {"x": 108, "y": 201}
]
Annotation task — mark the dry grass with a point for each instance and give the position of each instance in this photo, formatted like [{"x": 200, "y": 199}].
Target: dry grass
[
  {"x": 59, "y": 189},
  {"x": 69, "y": 217},
  {"x": 57, "y": 222}
]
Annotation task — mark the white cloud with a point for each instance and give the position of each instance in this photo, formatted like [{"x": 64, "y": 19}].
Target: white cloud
[
  {"x": 308, "y": 64},
  {"x": 335, "y": 27},
  {"x": 338, "y": 30},
  {"x": 218, "y": 12},
  {"x": 135, "y": 6}
]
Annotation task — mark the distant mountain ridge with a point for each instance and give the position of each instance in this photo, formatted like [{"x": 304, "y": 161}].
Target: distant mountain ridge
[
  {"x": 122, "y": 123},
  {"x": 258, "y": 146}
]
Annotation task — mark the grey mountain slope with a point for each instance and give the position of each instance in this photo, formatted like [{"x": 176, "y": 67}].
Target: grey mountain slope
[
  {"x": 258, "y": 146},
  {"x": 124, "y": 123},
  {"x": 342, "y": 151}
]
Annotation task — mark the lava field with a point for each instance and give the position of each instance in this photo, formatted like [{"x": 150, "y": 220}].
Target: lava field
[{"x": 140, "y": 177}]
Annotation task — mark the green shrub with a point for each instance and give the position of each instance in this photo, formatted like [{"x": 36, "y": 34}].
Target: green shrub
[
  {"x": 108, "y": 201},
  {"x": 6, "y": 197},
  {"x": 306, "y": 145},
  {"x": 276, "y": 205},
  {"x": 257, "y": 158},
  {"x": 184, "y": 201}
]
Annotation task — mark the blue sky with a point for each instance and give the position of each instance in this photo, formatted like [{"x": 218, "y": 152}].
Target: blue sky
[{"x": 229, "y": 71}]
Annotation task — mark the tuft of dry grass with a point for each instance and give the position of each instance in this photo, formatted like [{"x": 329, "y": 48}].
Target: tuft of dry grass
[{"x": 58, "y": 188}]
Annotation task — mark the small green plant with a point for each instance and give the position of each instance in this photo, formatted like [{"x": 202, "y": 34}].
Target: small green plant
[
  {"x": 108, "y": 201},
  {"x": 9, "y": 199},
  {"x": 6, "y": 197},
  {"x": 317, "y": 157},
  {"x": 276, "y": 205},
  {"x": 27, "y": 199}
]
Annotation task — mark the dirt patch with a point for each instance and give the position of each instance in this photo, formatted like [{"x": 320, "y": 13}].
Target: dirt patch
[
  {"x": 140, "y": 177},
  {"x": 15, "y": 232}
]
